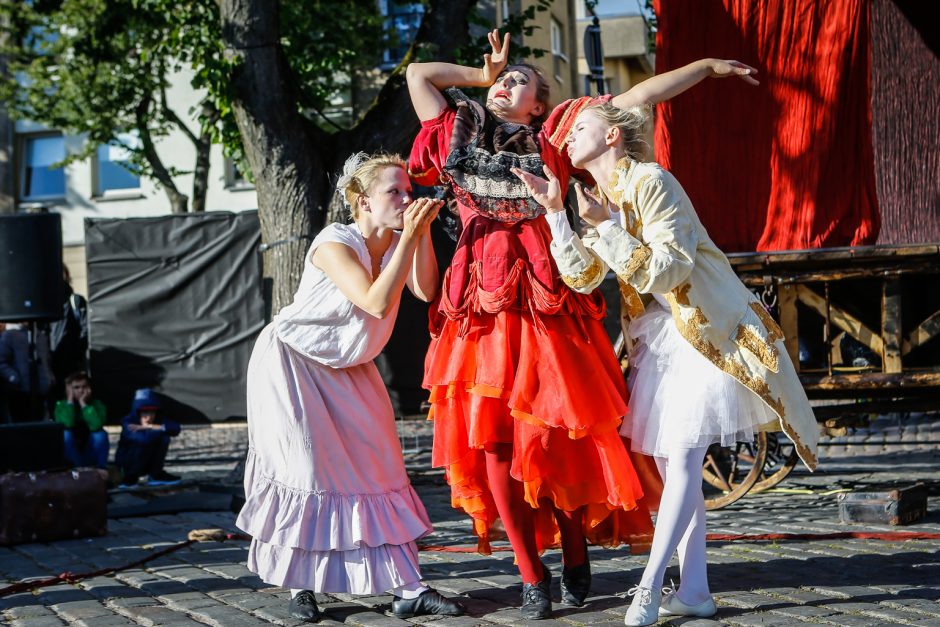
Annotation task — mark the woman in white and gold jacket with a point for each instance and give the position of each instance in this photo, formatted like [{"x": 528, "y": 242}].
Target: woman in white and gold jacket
[{"x": 708, "y": 363}]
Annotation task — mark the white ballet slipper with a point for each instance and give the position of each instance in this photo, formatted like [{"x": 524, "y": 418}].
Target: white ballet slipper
[
  {"x": 644, "y": 609},
  {"x": 673, "y": 606}
]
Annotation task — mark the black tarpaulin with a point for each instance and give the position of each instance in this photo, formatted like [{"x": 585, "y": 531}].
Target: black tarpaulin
[{"x": 175, "y": 303}]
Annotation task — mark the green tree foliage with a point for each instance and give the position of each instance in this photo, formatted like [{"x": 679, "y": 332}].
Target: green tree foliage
[{"x": 99, "y": 69}]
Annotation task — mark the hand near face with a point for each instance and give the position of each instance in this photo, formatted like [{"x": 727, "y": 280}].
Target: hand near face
[
  {"x": 546, "y": 192},
  {"x": 590, "y": 207},
  {"x": 723, "y": 69},
  {"x": 495, "y": 61},
  {"x": 419, "y": 215},
  {"x": 85, "y": 396}
]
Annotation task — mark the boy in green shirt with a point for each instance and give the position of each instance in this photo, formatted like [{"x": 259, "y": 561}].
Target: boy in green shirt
[{"x": 86, "y": 442}]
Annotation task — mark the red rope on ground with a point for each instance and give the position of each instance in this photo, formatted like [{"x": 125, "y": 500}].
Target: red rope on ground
[{"x": 885, "y": 536}]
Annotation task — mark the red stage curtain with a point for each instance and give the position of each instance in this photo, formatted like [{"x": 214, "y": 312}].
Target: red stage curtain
[{"x": 788, "y": 164}]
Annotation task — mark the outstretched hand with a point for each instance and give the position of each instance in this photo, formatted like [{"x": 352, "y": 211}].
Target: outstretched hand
[
  {"x": 495, "y": 61},
  {"x": 546, "y": 192},
  {"x": 590, "y": 207},
  {"x": 719, "y": 68}
]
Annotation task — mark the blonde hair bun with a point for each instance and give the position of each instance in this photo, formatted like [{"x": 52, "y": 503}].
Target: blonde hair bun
[{"x": 359, "y": 173}]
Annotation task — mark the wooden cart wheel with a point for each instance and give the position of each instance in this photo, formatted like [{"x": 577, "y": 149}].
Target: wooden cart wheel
[
  {"x": 733, "y": 471},
  {"x": 781, "y": 459}
]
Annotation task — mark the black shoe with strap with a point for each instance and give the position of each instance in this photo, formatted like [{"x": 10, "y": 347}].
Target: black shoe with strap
[
  {"x": 537, "y": 598},
  {"x": 576, "y": 584},
  {"x": 428, "y": 602},
  {"x": 304, "y": 607}
]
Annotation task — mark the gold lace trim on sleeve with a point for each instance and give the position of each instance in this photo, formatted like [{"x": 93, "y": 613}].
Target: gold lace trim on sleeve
[
  {"x": 640, "y": 256},
  {"x": 586, "y": 277}
]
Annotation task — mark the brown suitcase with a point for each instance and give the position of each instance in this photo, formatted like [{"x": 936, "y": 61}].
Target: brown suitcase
[
  {"x": 57, "y": 505},
  {"x": 888, "y": 505}
]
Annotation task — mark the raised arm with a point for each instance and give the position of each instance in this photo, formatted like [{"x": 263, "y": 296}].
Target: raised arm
[
  {"x": 669, "y": 84},
  {"x": 426, "y": 81},
  {"x": 424, "y": 280},
  {"x": 377, "y": 297}
]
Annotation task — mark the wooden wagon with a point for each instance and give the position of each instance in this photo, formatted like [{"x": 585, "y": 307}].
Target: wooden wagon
[{"x": 862, "y": 327}]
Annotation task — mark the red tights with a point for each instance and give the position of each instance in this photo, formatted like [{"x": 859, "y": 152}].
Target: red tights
[{"x": 519, "y": 518}]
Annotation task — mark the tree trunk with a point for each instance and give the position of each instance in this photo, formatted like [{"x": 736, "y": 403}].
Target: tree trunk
[{"x": 283, "y": 149}]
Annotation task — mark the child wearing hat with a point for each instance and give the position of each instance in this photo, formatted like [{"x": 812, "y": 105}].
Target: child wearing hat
[{"x": 145, "y": 438}]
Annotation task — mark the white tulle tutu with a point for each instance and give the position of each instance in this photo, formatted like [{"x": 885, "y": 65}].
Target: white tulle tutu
[{"x": 679, "y": 399}]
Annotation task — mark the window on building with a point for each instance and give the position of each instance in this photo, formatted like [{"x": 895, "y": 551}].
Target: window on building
[
  {"x": 114, "y": 172},
  {"x": 558, "y": 48},
  {"x": 402, "y": 21},
  {"x": 38, "y": 178},
  {"x": 234, "y": 179}
]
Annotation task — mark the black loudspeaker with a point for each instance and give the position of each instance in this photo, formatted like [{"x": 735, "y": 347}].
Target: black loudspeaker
[
  {"x": 31, "y": 285},
  {"x": 31, "y": 446}
]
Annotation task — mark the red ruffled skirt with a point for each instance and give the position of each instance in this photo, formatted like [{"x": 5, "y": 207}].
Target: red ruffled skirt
[{"x": 549, "y": 384}]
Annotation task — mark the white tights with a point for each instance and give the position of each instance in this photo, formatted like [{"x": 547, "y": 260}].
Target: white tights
[{"x": 680, "y": 525}]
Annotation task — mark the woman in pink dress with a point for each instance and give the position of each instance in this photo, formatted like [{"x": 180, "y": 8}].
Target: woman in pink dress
[{"x": 328, "y": 503}]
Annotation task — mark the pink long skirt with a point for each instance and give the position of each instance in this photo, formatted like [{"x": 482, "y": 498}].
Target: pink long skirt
[{"x": 328, "y": 503}]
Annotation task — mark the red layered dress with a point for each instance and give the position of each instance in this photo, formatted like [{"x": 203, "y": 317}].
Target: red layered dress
[{"x": 516, "y": 356}]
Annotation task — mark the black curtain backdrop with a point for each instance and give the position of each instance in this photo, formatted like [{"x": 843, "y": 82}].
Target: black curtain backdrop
[{"x": 175, "y": 303}]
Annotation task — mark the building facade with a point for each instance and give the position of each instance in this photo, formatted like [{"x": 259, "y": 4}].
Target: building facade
[{"x": 625, "y": 40}]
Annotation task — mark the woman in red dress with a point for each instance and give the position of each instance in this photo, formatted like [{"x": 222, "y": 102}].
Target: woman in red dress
[{"x": 526, "y": 393}]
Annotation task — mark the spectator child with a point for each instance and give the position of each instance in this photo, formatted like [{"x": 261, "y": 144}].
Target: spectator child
[
  {"x": 145, "y": 438},
  {"x": 86, "y": 443}
]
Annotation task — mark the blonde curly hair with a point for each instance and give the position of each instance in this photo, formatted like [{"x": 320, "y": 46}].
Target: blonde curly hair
[{"x": 359, "y": 174}]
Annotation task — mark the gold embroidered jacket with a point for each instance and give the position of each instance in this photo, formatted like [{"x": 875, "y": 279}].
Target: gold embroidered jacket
[{"x": 657, "y": 244}]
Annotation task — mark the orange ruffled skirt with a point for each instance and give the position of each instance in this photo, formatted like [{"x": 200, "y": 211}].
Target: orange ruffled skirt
[{"x": 553, "y": 388}]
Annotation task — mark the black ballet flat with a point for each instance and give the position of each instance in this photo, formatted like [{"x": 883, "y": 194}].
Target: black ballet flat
[
  {"x": 576, "y": 584},
  {"x": 304, "y": 607},
  {"x": 536, "y": 598},
  {"x": 428, "y": 602}
]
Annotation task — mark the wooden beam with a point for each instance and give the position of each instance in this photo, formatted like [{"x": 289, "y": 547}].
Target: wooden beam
[
  {"x": 755, "y": 277},
  {"x": 891, "y": 325},
  {"x": 786, "y": 302},
  {"x": 881, "y": 382},
  {"x": 844, "y": 320},
  {"x": 924, "y": 332},
  {"x": 818, "y": 256}
]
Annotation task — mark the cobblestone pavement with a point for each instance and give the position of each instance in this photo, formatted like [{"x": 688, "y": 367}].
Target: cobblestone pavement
[{"x": 799, "y": 582}]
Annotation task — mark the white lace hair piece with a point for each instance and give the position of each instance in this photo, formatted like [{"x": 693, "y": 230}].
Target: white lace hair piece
[{"x": 353, "y": 163}]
